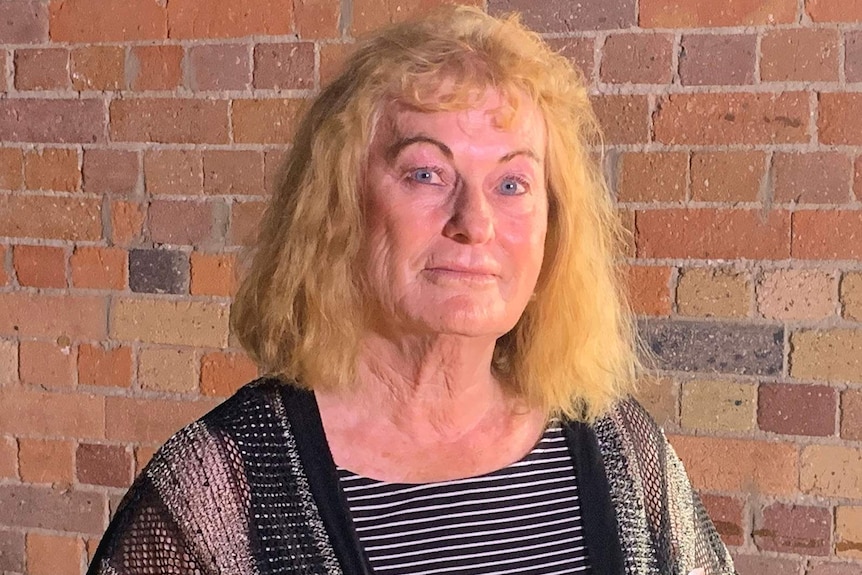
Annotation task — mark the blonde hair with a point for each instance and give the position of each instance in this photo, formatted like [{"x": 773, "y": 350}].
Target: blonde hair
[{"x": 299, "y": 311}]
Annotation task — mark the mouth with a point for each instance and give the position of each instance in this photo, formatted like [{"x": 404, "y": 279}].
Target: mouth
[{"x": 461, "y": 274}]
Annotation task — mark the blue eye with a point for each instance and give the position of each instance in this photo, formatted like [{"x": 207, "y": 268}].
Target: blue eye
[
  {"x": 512, "y": 187},
  {"x": 425, "y": 176}
]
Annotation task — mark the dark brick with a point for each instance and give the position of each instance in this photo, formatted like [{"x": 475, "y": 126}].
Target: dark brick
[
  {"x": 853, "y": 56},
  {"x": 715, "y": 347},
  {"x": 109, "y": 465},
  {"x": 580, "y": 52},
  {"x": 569, "y": 16},
  {"x": 11, "y": 551},
  {"x": 717, "y": 59},
  {"x": 757, "y": 565},
  {"x": 46, "y": 508},
  {"x": 726, "y": 514},
  {"x": 797, "y": 409},
  {"x": 219, "y": 67},
  {"x": 54, "y": 121},
  {"x": 284, "y": 66},
  {"x": 794, "y": 529},
  {"x": 158, "y": 271}
]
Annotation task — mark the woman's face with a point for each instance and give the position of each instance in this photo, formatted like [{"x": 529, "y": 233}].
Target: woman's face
[{"x": 456, "y": 213}]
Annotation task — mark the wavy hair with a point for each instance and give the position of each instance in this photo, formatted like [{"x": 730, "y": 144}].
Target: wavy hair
[{"x": 299, "y": 311}]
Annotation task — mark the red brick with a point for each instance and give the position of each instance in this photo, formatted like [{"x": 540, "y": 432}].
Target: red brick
[
  {"x": 834, "y": 10},
  {"x": 284, "y": 66},
  {"x": 180, "y": 223},
  {"x": 623, "y": 118},
  {"x": 48, "y": 217},
  {"x": 812, "y": 178},
  {"x": 93, "y": 21},
  {"x": 851, "y": 414},
  {"x": 684, "y": 14},
  {"x": 233, "y": 172},
  {"x": 712, "y": 234},
  {"x": 579, "y": 50},
  {"x": 797, "y": 409},
  {"x": 726, "y": 514},
  {"x": 109, "y": 465},
  {"x": 99, "y": 268},
  {"x": 23, "y": 22},
  {"x": 794, "y": 529},
  {"x": 98, "y": 68},
  {"x": 53, "y": 121},
  {"x": 12, "y": 550},
  {"x": 230, "y": 18},
  {"x": 8, "y": 467},
  {"x": 653, "y": 177},
  {"x": 52, "y": 169},
  {"x": 56, "y": 509},
  {"x": 213, "y": 274},
  {"x": 219, "y": 67},
  {"x": 223, "y": 373},
  {"x": 4, "y": 276},
  {"x": 649, "y": 289},
  {"x": 838, "y": 121},
  {"x": 265, "y": 121},
  {"x": 150, "y": 420},
  {"x": 45, "y": 461},
  {"x": 800, "y": 55},
  {"x": 11, "y": 169},
  {"x": 274, "y": 162},
  {"x": 736, "y": 118},
  {"x": 717, "y": 59},
  {"x": 143, "y": 455},
  {"x": 842, "y": 568},
  {"x": 177, "y": 121},
  {"x": 31, "y": 315},
  {"x": 332, "y": 57},
  {"x": 111, "y": 171},
  {"x": 40, "y": 266},
  {"x": 53, "y": 554},
  {"x": 827, "y": 235},
  {"x": 627, "y": 219},
  {"x": 317, "y": 18},
  {"x": 176, "y": 172},
  {"x": 244, "y": 222},
  {"x": 47, "y": 364},
  {"x": 155, "y": 67},
  {"x": 42, "y": 69},
  {"x": 727, "y": 176},
  {"x": 637, "y": 59},
  {"x": 550, "y": 16},
  {"x": 52, "y": 414},
  {"x": 127, "y": 223},
  {"x": 853, "y": 56},
  {"x": 105, "y": 367}
]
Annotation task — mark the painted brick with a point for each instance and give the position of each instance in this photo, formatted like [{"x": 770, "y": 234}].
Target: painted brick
[
  {"x": 11, "y": 169},
  {"x": 848, "y": 531},
  {"x": 369, "y": 15},
  {"x": 155, "y": 67},
  {"x": 797, "y": 409},
  {"x": 8, "y": 363},
  {"x": 265, "y": 121},
  {"x": 213, "y": 274},
  {"x": 736, "y": 118},
  {"x": 98, "y": 68},
  {"x": 40, "y": 266},
  {"x": 332, "y": 56},
  {"x": 158, "y": 271},
  {"x": 568, "y": 16},
  {"x": 831, "y": 355},
  {"x": 180, "y": 223},
  {"x": 177, "y": 172},
  {"x": 42, "y": 69},
  {"x": 851, "y": 295},
  {"x": 624, "y": 119},
  {"x": 739, "y": 465},
  {"x": 834, "y": 10},
  {"x": 170, "y": 322},
  {"x": 838, "y": 121},
  {"x": 794, "y": 529},
  {"x": 127, "y": 222},
  {"x": 735, "y": 176},
  {"x": 713, "y": 292},
  {"x": 284, "y": 66},
  {"x": 800, "y": 54},
  {"x": 812, "y": 178},
  {"x": 99, "y": 268},
  {"x": 109, "y": 465},
  {"x": 45, "y": 460},
  {"x": 38, "y": 315},
  {"x": 832, "y": 568},
  {"x": 224, "y": 373},
  {"x": 12, "y": 548},
  {"x": 150, "y": 420},
  {"x": 170, "y": 370},
  {"x": 717, "y": 59},
  {"x": 52, "y": 414},
  {"x": 8, "y": 468},
  {"x": 219, "y": 67},
  {"x": 713, "y": 234},
  {"x": 763, "y": 565},
  {"x": 828, "y": 235},
  {"x": 637, "y": 59},
  {"x": 56, "y": 509},
  {"x": 718, "y": 405},
  {"x": 653, "y": 176},
  {"x": 683, "y": 14},
  {"x": 853, "y": 56},
  {"x": 649, "y": 289},
  {"x": 53, "y": 554},
  {"x": 93, "y": 21},
  {"x": 47, "y": 364},
  {"x": 23, "y": 22},
  {"x": 244, "y": 221},
  {"x": 831, "y": 471},
  {"x": 230, "y": 18},
  {"x": 105, "y": 367},
  {"x": 230, "y": 172},
  {"x": 52, "y": 169},
  {"x": 726, "y": 514},
  {"x": 111, "y": 171},
  {"x": 715, "y": 347},
  {"x": 792, "y": 294},
  {"x": 579, "y": 50},
  {"x": 53, "y": 121},
  {"x": 660, "y": 397},
  {"x": 171, "y": 121},
  {"x": 317, "y": 18}
]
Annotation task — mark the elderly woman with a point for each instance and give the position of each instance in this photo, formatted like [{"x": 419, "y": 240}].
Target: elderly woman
[{"x": 435, "y": 297}]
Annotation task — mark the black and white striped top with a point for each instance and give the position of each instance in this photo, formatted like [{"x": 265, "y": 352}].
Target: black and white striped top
[{"x": 523, "y": 519}]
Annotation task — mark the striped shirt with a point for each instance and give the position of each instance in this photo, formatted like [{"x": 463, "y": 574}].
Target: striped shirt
[{"x": 522, "y": 519}]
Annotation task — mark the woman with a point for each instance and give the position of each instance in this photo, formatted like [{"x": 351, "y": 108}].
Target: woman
[{"x": 435, "y": 295}]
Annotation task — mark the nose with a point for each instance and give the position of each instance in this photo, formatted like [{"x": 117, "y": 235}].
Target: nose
[{"x": 472, "y": 218}]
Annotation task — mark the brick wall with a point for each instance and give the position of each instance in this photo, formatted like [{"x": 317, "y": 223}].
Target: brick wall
[{"x": 139, "y": 141}]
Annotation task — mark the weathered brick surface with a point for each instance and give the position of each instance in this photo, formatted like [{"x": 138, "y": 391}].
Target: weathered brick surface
[
  {"x": 717, "y": 59},
  {"x": 653, "y": 176},
  {"x": 851, "y": 414},
  {"x": 317, "y": 18},
  {"x": 660, "y": 397},
  {"x": 180, "y": 223},
  {"x": 46, "y": 508},
  {"x": 42, "y": 69},
  {"x": 711, "y": 292},
  {"x": 50, "y": 316},
  {"x": 158, "y": 271},
  {"x": 718, "y": 405},
  {"x": 40, "y": 266},
  {"x": 244, "y": 221},
  {"x": 831, "y": 471},
  {"x": 760, "y": 565},
  {"x": 155, "y": 67},
  {"x": 812, "y": 178},
  {"x": 726, "y": 514},
  {"x": 838, "y": 121},
  {"x": 23, "y": 22},
  {"x": 99, "y": 268},
  {"x": 848, "y": 531},
  {"x": 170, "y": 322},
  {"x": 165, "y": 120},
  {"x": 223, "y": 373},
  {"x": 56, "y": 121},
  {"x": 97, "y": 67},
  {"x": 233, "y": 172},
  {"x": 636, "y": 59},
  {"x": 828, "y": 355},
  {"x": 681, "y": 14},
  {"x": 649, "y": 289},
  {"x": 109, "y": 465},
  {"x": 12, "y": 551},
  {"x": 150, "y": 420},
  {"x": 853, "y": 56},
  {"x": 579, "y": 50},
  {"x": 168, "y": 370},
  {"x": 47, "y": 364},
  {"x": 127, "y": 222},
  {"x": 791, "y": 294},
  {"x": 219, "y": 67},
  {"x": 332, "y": 56},
  {"x": 177, "y": 172},
  {"x": 794, "y": 528},
  {"x": 264, "y": 121},
  {"x": 111, "y": 172},
  {"x": 53, "y": 554},
  {"x": 229, "y": 18},
  {"x": 111, "y": 367},
  {"x": 797, "y": 409},
  {"x": 624, "y": 119},
  {"x": 42, "y": 413},
  {"x": 833, "y": 11},
  {"x": 284, "y": 66},
  {"x": 8, "y": 363},
  {"x": 828, "y": 235},
  {"x": 52, "y": 169},
  {"x": 832, "y": 568},
  {"x": 800, "y": 54},
  {"x": 86, "y": 21},
  {"x": 213, "y": 274},
  {"x": 62, "y": 218},
  {"x": 45, "y": 460},
  {"x": 11, "y": 169}
]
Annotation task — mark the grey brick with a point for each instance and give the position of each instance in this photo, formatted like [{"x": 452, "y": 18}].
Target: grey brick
[
  {"x": 568, "y": 16},
  {"x": 158, "y": 271}
]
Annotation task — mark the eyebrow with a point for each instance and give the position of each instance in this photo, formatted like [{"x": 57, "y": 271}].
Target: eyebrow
[{"x": 395, "y": 149}]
